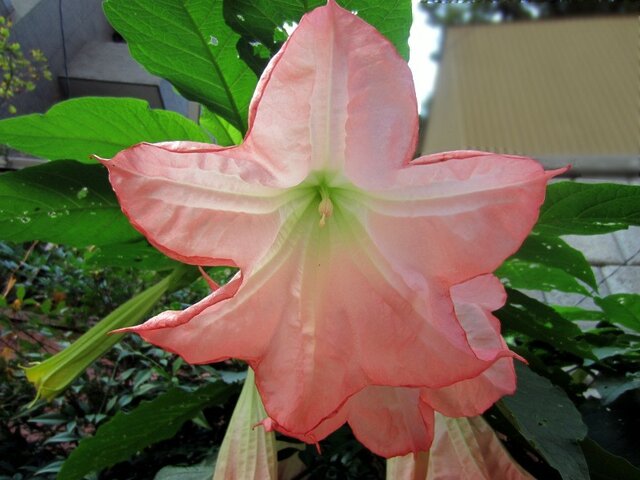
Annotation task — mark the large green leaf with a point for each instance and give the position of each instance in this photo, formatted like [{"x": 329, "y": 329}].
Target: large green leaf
[
  {"x": 62, "y": 202},
  {"x": 555, "y": 253},
  {"x": 623, "y": 308},
  {"x": 547, "y": 419},
  {"x": 604, "y": 465},
  {"x": 188, "y": 43},
  {"x": 78, "y": 128},
  {"x": 588, "y": 208},
  {"x": 262, "y": 21},
  {"x": 128, "y": 433},
  {"x": 527, "y": 316}
]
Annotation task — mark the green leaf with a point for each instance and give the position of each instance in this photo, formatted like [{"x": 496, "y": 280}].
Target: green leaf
[
  {"x": 604, "y": 465},
  {"x": 189, "y": 44},
  {"x": 62, "y": 202},
  {"x": 224, "y": 133},
  {"x": 263, "y": 20},
  {"x": 128, "y": 433},
  {"x": 138, "y": 254},
  {"x": 557, "y": 254},
  {"x": 551, "y": 424},
  {"x": 527, "y": 316},
  {"x": 622, "y": 308},
  {"x": 588, "y": 208},
  {"x": 77, "y": 128},
  {"x": 577, "y": 313},
  {"x": 536, "y": 276}
]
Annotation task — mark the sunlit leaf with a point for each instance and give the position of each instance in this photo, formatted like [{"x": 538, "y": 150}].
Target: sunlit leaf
[
  {"x": 80, "y": 127},
  {"x": 224, "y": 133},
  {"x": 588, "y": 208},
  {"x": 189, "y": 44}
]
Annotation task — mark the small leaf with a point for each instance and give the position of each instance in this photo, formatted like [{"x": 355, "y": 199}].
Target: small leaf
[
  {"x": 128, "y": 433},
  {"x": 527, "y": 316},
  {"x": 201, "y": 48},
  {"x": 62, "y": 437},
  {"x": 80, "y": 127},
  {"x": 588, "y": 208},
  {"x": 550, "y": 423},
  {"x": 623, "y": 309}
]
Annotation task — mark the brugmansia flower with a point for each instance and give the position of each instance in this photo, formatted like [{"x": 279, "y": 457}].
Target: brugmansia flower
[
  {"x": 462, "y": 448},
  {"x": 349, "y": 253}
]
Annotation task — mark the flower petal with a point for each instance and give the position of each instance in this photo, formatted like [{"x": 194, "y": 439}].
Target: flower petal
[
  {"x": 391, "y": 421},
  {"x": 320, "y": 320},
  {"x": 474, "y": 300},
  {"x": 433, "y": 219},
  {"x": 198, "y": 203},
  {"x": 343, "y": 99}
]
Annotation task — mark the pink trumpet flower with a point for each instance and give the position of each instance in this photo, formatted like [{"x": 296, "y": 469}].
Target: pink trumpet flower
[
  {"x": 463, "y": 448},
  {"x": 349, "y": 252}
]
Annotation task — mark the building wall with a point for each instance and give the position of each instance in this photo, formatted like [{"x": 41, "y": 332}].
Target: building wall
[
  {"x": 40, "y": 28},
  {"x": 567, "y": 90}
]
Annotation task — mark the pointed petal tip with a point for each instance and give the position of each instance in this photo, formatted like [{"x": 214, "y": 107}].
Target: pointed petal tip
[
  {"x": 558, "y": 171},
  {"x": 269, "y": 424},
  {"x": 99, "y": 159},
  {"x": 213, "y": 285}
]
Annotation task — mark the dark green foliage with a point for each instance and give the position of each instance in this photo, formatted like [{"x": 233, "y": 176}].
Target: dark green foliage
[
  {"x": 149, "y": 423},
  {"x": 551, "y": 424}
]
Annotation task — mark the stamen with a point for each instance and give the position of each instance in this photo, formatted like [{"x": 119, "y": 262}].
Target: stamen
[{"x": 326, "y": 207}]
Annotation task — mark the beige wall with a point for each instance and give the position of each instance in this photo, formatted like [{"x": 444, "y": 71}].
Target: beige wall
[{"x": 557, "y": 88}]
